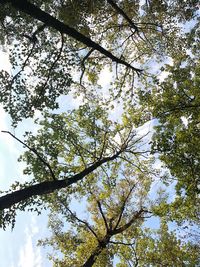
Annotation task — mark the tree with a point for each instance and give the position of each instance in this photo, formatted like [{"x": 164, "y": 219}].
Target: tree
[
  {"x": 68, "y": 147},
  {"x": 116, "y": 204},
  {"x": 176, "y": 106},
  {"x": 114, "y": 230},
  {"x": 56, "y": 83},
  {"x": 51, "y": 35},
  {"x": 160, "y": 247},
  {"x": 53, "y": 52}
]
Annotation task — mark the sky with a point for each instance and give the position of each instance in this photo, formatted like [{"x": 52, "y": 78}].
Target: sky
[{"x": 18, "y": 247}]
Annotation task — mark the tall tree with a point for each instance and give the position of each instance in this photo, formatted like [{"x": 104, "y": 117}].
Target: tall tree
[
  {"x": 53, "y": 51},
  {"x": 46, "y": 47},
  {"x": 115, "y": 232},
  {"x": 174, "y": 102},
  {"x": 69, "y": 147},
  {"x": 116, "y": 205}
]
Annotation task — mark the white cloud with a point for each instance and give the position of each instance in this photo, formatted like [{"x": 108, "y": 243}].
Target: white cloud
[
  {"x": 29, "y": 255},
  {"x": 5, "y": 63},
  {"x": 105, "y": 77}
]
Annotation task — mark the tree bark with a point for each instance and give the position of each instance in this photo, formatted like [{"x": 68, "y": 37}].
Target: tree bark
[
  {"x": 48, "y": 20},
  {"x": 91, "y": 260},
  {"x": 93, "y": 257},
  {"x": 47, "y": 187}
]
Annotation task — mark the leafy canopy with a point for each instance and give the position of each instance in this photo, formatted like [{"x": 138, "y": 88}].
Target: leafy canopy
[{"x": 58, "y": 48}]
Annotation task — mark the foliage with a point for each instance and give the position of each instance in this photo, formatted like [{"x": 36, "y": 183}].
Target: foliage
[
  {"x": 151, "y": 50},
  {"x": 160, "y": 247},
  {"x": 112, "y": 232},
  {"x": 69, "y": 147},
  {"x": 175, "y": 103},
  {"x": 116, "y": 212},
  {"x": 37, "y": 51}
]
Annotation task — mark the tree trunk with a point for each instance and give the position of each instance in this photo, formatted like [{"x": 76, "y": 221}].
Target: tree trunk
[
  {"x": 93, "y": 257},
  {"x": 91, "y": 260},
  {"x": 47, "y": 187}
]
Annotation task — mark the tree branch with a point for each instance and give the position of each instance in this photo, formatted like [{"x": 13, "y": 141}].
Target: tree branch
[
  {"x": 35, "y": 152},
  {"x": 24, "y": 64},
  {"x": 124, "y": 15},
  {"x": 81, "y": 221},
  {"x": 33, "y": 37},
  {"x": 104, "y": 145},
  {"x": 48, "y": 20},
  {"x": 48, "y": 187},
  {"x": 136, "y": 216},
  {"x": 123, "y": 206},
  {"x": 42, "y": 90},
  {"x": 102, "y": 214},
  {"x": 83, "y": 63},
  {"x": 121, "y": 243}
]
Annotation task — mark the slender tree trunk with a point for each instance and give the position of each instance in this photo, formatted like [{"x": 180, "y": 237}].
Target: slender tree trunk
[
  {"x": 37, "y": 13},
  {"x": 47, "y": 187}
]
